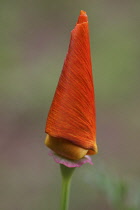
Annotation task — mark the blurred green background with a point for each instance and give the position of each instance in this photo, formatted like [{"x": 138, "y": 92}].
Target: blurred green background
[{"x": 34, "y": 38}]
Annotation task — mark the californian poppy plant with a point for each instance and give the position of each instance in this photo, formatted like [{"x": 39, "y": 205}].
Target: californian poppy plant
[{"x": 71, "y": 122}]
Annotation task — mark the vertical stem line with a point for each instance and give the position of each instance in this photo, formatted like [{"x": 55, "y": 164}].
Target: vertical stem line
[
  {"x": 65, "y": 194},
  {"x": 66, "y": 181}
]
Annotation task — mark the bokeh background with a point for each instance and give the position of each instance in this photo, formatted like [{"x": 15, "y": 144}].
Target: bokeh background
[{"x": 34, "y": 37}]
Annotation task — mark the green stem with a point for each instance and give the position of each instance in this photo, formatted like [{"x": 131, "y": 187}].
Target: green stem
[{"x": 66, "y": 181}]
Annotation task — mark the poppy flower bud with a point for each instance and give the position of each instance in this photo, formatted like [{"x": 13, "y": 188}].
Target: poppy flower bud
[{"x": 71, "y": 123}]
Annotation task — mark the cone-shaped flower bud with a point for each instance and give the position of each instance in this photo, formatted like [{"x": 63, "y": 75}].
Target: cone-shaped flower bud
[{"x": 71, "y": 125}]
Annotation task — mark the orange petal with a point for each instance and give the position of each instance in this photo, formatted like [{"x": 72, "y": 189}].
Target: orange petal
[{"x": 72, "y": 113}]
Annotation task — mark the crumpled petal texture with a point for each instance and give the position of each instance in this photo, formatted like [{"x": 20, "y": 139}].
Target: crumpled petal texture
[
  {"x": 70, "y": 163},
  {"x": 72, "y": 113}
]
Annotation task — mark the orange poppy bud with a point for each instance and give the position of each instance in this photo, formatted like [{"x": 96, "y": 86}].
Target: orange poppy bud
[{"x": 71, "y": 126}]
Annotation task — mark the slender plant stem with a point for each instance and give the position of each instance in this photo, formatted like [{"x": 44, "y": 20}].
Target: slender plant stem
[{"x": 66, "y": 181}]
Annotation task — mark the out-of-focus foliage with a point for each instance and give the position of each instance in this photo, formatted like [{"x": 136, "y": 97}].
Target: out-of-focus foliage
[
  {"x": 120, "y": 193},
  {"x": 34, "y": 37}
]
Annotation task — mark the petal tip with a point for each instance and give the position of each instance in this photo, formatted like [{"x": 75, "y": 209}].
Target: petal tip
[
  {"x": 82, "y": 12},
  {"x": 82, "y": 17}
]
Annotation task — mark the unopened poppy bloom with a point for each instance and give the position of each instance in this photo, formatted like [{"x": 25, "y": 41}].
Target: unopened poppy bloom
[{"x": 71, "y": 126}]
